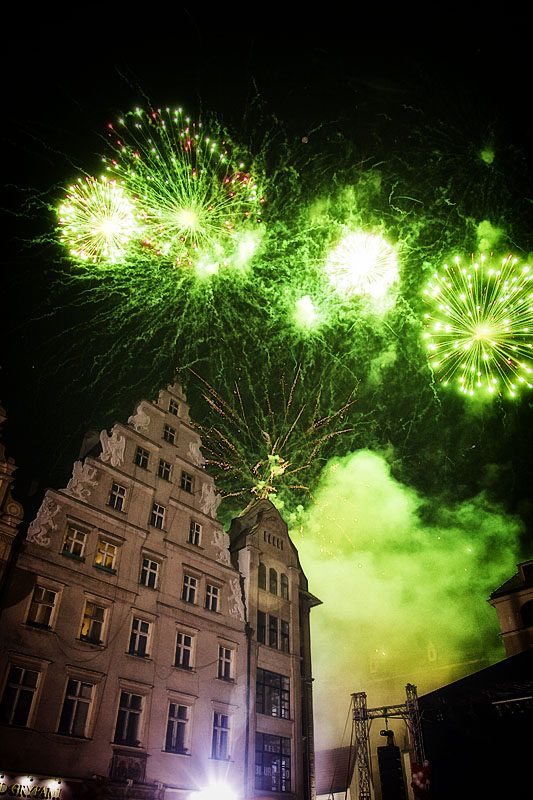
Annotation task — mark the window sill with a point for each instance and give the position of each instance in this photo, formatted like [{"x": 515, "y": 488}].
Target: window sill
[
  {"x": 143, "y": 656},
  {"x": 93, "y": 642},
  {"x": 38, "y": 626},
  {"x": 131, "y": 745},
  {"x": 225, "y": 680},
  {"x": 73, "y": 556},
  {"x": 109, "y": 570},
  {"x": 71, "y": 736},
  {"x": 183, "y": 669},
  {"x": 177, "y": 752},
  {"x": 120, "y": 510}
]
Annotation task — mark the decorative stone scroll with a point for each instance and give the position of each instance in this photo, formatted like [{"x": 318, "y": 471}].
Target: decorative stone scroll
[
  {"x": 236, "y": 608},
  {"x": 140, "y": 420},
  {"x": 195, "y": 454},
  {"x": 209, "y": 501},
  {"x": 82, "y": 481},
  {"x": 221, "y": 543},
  {"x": 112, "y": 447},
  {"x": 39, "y": 530}
]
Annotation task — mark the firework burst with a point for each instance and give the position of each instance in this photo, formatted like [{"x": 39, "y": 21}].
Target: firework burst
[
  {"x": 480, "y": 329},
  {"x": 362, "y": 264},
  {"x": 96, "y": 220},
  {"x": 198, "y": 207}
]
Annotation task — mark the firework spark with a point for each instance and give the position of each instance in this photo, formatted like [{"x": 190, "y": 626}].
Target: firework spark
[
  {"x": 97, "y": 220},
  {"x": 362, "y": 264},
  {"x": 480, "y": 333},
  {"x": 197, "y": 206}
]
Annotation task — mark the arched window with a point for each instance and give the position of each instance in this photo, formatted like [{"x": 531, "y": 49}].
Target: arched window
[
  {"x": 262, "y": 576},
  {"x": 284, "y": 586},
  {"x": 527, "y": 614},
  {"x": 273, "y": 583}
]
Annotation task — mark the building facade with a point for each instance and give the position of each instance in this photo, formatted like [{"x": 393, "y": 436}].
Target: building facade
[
  {"x": 513, "y": 602},
  {"x": 131, "y": 665}
]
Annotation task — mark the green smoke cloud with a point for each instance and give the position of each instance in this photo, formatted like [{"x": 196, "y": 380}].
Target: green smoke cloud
[{"x": 403, "y": 600}]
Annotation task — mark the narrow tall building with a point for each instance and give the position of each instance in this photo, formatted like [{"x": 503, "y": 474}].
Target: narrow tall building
[{"x": 143, "y": 655}]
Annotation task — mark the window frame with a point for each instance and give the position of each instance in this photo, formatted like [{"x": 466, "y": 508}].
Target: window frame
[
  {"x": 226, "y": 663},
  {"x": 164, "y": 470},
  {"x": 213, "y": 596},
  {"x": 129, "y": 712},
  {"x": 189, "y": 589},
  {"x": 261, "y": 627},
  {"x": 117, "y": 499},
  {"x": 268, "y": 685},
  {"x": 146, "y": 636},
  {"x": 157, "y": 516},
  {"x": 45, "y": 586},
  {"x": 103, "y": 540},
  {"x": 69, "y": 552},
  {"x": 284, "y": 586},
  {"x": 221, "y": 733},
  {"x": 16, "y": 705},
  {"x": 149, "y": 571},
  {"x": 169, "y": 434},
  {"x": 273, "y": 581},
  {"x": 142, "y": 457},
  {"x": 195, "y": 533},
  {"x": 185, "y": 748},
  {"x": 186, "y": 481},
  {"x": 284, "y": 636},
  {"x": 273, "y": 777},
  {"x": 87, "y": 722},
  {"x": 183, "y": 648},
  {"x": 173, "y": 407},
  {"x": 103, "y": 604}
]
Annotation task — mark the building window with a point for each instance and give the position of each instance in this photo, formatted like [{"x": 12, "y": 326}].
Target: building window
[
  {"x": 142, "y": 457},
  {"x": 225, "y": 663},
  {"x": 261, "y": 627},
  {"x": 272, "y": 763},
  {"x": 76, "y": 707},
  {"x": 19, "y": 692},
  {"x": 173, "y": 407},
  {"x": 188, "y": 593},
  {"x": 74, "y": 543},
  {"x": 186, "y": 482},
  {"x": 273, "y": 581},
  {"x": 272, "y": 631},
  {"x": 92, "y": 626},
  {"x": 106, "y": 556},
  {"x": 284, "y": 631},
  {"x": 163, "y": 469},
  {"x": 184, "y": 650},
  {"x": 220, "y": 744},
  {"x": 284, "y": 585},
  {"x": 128, "y": 726},
  {"x": 211, "y": 597},
  {"x": 149, "y": 571},
  {"x": 117, "y": 497},
  {"x": 195, "y": 532},
  {"x": 262, "y": 576},
  {"x": 273, "y": 694},
  {"x": 157, "y": 517},
  {"x": 177, "y": 729},
  {"x": 42, "y": 607},
  {"x": 140, "y": 638},
  {"x": 169, "y": 434}
]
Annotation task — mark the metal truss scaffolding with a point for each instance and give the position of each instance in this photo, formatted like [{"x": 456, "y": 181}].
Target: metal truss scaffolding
[{"x": 362, "y": 715}]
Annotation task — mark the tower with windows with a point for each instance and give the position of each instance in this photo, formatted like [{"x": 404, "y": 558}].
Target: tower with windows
[
  {"x": 140, "y": 649},
  {"x": 278, "y": 604}
]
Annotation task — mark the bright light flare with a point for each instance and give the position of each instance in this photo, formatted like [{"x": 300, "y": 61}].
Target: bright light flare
[
  {"x": 362, "y": 264},
  {"x": 96, "y": 220},
  {"x": 480, "y": 328},
  {"x": 216, "y": 791}
]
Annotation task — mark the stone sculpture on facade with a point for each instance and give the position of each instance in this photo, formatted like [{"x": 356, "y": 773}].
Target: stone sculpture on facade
[
  {"x": 209, "y": 500},
  {"x": 112, "y": 447},
  {"x": 140, "y": 420},
  {"x": 82, "y": 481},
  {"x": 43, "y": 523},
  {"x": 236, "y": 608},
  {"x": 221, "y": 542},
  {"x": 195, "y": 454}
]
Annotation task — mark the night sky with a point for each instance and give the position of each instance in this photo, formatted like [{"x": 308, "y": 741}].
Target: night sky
[{"x": 426, "y": 496}]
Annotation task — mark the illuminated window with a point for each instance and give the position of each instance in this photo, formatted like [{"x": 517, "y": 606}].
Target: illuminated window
[
  {"x": 212, "y": 597},
  {"x": 142, "y": 457},
  {"x": 220, "y": 743},
  {"x": 157, "y": 517},
  {"x": 117, "y": 497},
  {"x": 186, "y": 482},
  {"x": 273, "y": 694},
  {"x": 140, "y": 638},
  {"x": 19, "y": 695},
  {"x": 272, "y": 763},
  {"x": 188, "y": 592},
  {"x": 106, "y": 556},
  {"x": 262, "y": 576},
  {"x": 149, "y": 572},
  {"x": 163, "y": 470},
  {"x": 184, "y": 650},
  {"x": 173, "y": 407},
  {"x": 177, "y": 737},
  {"x": 284, "y": 584},
  {"x": 76, "y": 707},
  {"x": 42, "y": 607},
  {"x": 273, "y": 581},
  {"x": 169, "y": 434},
  {"x": 128, "y": 727},
  {"x": 195, "y": 532},
  {"x": 74, "y": 543},
  {"x": 92, "y": 626},
  {"x": 225, "y": 663}
]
